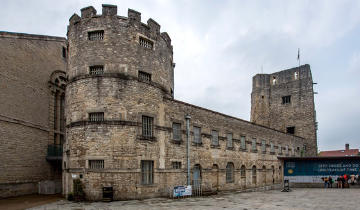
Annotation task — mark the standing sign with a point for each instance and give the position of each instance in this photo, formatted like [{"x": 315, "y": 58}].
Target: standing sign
[{"x": 180, "y": 191}]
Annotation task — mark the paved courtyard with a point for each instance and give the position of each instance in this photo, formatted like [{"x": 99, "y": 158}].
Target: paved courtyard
[{"x": 296, "y": 199}]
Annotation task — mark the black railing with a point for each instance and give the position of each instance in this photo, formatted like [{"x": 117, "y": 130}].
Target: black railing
[{"x": 55, "y": 151}]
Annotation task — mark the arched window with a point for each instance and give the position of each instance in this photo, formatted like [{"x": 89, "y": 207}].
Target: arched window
[
  {"x": 243, "y": 171},
  {"x": 230, "y": 173},
  {"x": 253, "y": 170}
]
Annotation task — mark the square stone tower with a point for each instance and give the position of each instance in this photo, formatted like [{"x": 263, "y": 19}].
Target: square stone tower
[{"x": 285, "y": 101}]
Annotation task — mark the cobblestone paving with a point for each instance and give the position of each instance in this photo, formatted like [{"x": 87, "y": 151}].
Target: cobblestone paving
[{"x": 296, "y": 199}]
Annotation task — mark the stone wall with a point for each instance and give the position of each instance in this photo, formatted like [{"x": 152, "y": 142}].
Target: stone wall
[{"x": 26, "y": 64}]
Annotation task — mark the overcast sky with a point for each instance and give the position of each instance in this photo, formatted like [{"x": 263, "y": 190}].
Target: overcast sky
[{"x": 220, "y": 45}]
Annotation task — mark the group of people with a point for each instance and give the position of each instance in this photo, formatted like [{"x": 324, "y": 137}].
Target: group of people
[{"x": 342, "y": 181}]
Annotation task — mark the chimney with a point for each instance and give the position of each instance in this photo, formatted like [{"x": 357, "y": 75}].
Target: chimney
[{"x": 347, "y": 146}]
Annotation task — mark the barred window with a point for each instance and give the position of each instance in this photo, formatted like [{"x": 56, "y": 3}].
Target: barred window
[
  {"x": 253, "y": 144},
  {"x": 147, "y": 126},
  {"x": 272, "y": 148},
  {"x": 176, "y": 165},
  {"x": 214, "y": 138},
  {"x": 286, "y": 99},
  {"x": 243, "y": 143},
  {"x": 96, "y": 164},
  {"x": 253, "y": 170},
  {"x": 145, "y": 77},
  {"x": 96, "y": 116},
  {"x": 96, "y": 35},
  {"x": 263, "y": 146},
  {"x": 145, "y": 43},
  {"x": 95, "y": 70},
  {"x": 197, "y": 135},
  {"x": 243, "y": 171},
  {"x": 147, "y": 172},
  {"x": 229, "y": 140},
  {"x": 230, "y": 173},
  {"x": 280, "y": 149},
  {"x": 177, "y": 131}
]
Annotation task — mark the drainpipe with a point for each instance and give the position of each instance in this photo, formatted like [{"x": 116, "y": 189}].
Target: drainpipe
[{"x": 187, "y": 117}]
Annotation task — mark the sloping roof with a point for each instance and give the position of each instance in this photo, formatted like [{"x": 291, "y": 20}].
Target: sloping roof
[{"x": 339, "y": 153}]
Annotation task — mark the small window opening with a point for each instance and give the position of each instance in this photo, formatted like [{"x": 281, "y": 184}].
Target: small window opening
[
  {"x": 274, "y": 81},
  {"x": 63, "y": 52},
  {"x": 96, "y": 35},
  {"x": 145, "y": 77},
  {"x": 286, "y": 99},
  {"x": 290, "y": 130},
  {"x": 96, "y": 164},
  {"x": 176, "y": 165},
  {"x": 96, "y": 70},
  {"x": 145, "y": 43},
  {"x": 96, "y": 116},
  {"x": 177, "y": 131},
  {"x": 296, "y": 75}
]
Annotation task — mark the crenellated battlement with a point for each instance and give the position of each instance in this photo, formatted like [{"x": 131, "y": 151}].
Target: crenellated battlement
[{"x": 133, "y": 18}]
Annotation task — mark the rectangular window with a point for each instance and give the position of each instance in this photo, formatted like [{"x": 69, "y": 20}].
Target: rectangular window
[
  {"x": 147, "y": 172},
  {"x": 253, "y": 144},
  {"x": 145, "y": 43},
  {"x": 263, "y": 146},
  {"x": 229, "y": 142},
  {"x": 95, "y": 70},
  {"x": 197, "y": 135},
  {"x": 214, "y": 138},
  {"x": 147, "y": 126},
  {"x": 176, "y": 165},
  {"x": 290, "y": 130},
  {"x": 177, "y": 131},
  {"x": 286, "y": 99},
  {"x": 286, "y": 149},
  {"x": 96, "y": 116},
  {"x": 280, "y": 149},
  {"x": 243, "y": 143},
  {"x": 96, "y": 35},
  {"x": 272, "y": 148},
  {"x": 96, "y": 164},
  {"x": 145, "y": 77}
]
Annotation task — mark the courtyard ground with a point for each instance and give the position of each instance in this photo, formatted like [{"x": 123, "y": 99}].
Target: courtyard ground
[{"x": 296, "y": 199}]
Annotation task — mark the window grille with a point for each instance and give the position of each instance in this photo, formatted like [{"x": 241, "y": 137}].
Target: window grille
[
  {"x": 272, "y": 148},
  {"x": 215, "y": 138},
  {"x": 96, "y": 116},
  {"x": 286, "y": 99},
  {"x": 229, "y": 173},
  {"x": 197, "y": 135},
  {"x": 96, "y": 35},
  {"x": 242, "y": 171},
  {"x": 146, "y": 43},
  {"x": 229, "y": 140},
  {"x": 243, "y": 143},
  {"x": 177, "y": 131},
  {"x": 176, "y": 165},
  {"x": 290, "y": 130},
  {"x": 147, "y": 172},
  {"x": 147, "y": 126},
  {"x": 96, "y": 164},
  {"x": 95, "y": 70},
  {"x": 253, "y": 145},
  {"x": 145, "y": 77},
  {"x": 263, "y": 146}
]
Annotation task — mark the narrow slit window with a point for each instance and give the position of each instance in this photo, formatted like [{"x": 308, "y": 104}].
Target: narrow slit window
[
  {"x": 145, "y": 43},
  {"x": 96, "y": 35},
  {"x": 243, "y": 143},
  {"x": 96, "y": 70},
  {"x": 177, "y": 131},
  {"x": 263, "y": 146},
  {"x": 96, "y": 116},
  {"x": 229, "y": 140},
  {"x": 272, "y": 148},
  {"x": 214, "y": 138},
  {"x": 253, "y": 144}
]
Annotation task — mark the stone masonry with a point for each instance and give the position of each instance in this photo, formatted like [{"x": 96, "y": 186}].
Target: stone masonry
[{"x": 126, "y": 131}]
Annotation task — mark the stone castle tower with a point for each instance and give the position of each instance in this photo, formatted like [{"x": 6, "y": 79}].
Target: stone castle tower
[{"x": 285, "y": 101}]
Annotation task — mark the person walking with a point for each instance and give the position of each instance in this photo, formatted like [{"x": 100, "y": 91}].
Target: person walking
[{"x": 330, "y": 182}]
